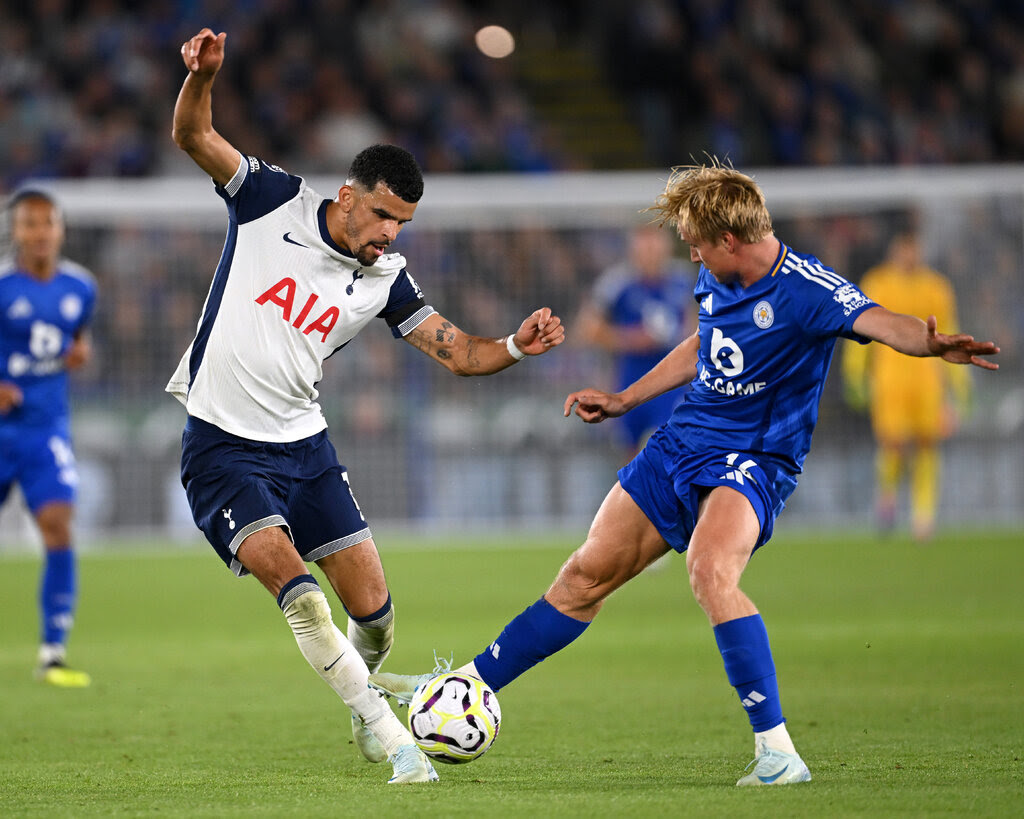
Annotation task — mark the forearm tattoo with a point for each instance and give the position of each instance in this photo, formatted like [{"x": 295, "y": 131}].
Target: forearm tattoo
[{"x": 445, "y": 333}]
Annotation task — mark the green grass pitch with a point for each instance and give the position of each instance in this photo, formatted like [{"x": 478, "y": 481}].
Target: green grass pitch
[{"x": 900, "y": 666}]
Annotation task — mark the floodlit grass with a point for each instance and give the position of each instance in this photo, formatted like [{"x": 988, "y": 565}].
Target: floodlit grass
[{"x": 900, "y": 667}]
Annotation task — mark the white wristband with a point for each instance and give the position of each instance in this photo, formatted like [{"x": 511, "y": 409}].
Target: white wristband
[{"x": 513, "y": 350}]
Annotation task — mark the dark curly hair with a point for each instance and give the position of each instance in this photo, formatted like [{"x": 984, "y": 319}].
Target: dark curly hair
[
  {"x": 31, "y": 195},
  {"x": 394, "y": 166}
]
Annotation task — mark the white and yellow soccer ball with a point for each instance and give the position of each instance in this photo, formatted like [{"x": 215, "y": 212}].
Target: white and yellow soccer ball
[{"x": 454, "y": 717}]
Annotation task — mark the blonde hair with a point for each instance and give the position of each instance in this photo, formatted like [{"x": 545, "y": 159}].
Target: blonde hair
[{"x": 705, "y": 201}]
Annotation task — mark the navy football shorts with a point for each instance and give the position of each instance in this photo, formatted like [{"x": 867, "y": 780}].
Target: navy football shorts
[
  {"x": 668, "y": 481},
  {"x": 41, "y": 461},
  {"x": 236, "y": 487}
]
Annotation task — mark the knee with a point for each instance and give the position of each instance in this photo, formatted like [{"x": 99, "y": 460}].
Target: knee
[
  {"x": 578, "y": 585},
  {"x": 709, "y": 579},
  {"x": 54, "y": 527}
]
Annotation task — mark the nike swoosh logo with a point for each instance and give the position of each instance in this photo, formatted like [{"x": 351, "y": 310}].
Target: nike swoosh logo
[
  {"x": 766, "y": 779},
  {"x": 291, "y": 241},
  {"x": 329, "y": 667}
]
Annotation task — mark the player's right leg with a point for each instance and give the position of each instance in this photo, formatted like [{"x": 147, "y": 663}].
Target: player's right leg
[
  {"x": 620, "y": 544},
  {"x": 924, "y": 489},
  {"x": 889, "y": 468}
]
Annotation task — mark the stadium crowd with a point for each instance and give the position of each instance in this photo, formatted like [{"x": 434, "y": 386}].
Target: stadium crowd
[
  {"x": 824, "y": 82},
  {"x": 85, "y": 84}
]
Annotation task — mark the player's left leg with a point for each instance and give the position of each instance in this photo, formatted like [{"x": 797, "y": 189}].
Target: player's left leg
[
  {"x": 727, "y": 530},
  {"x": 58, "y": 596},
  {"x": 924, "y": 489},
  {"x": 357, "y": 577},
  {"x": 48, "y": 480}
]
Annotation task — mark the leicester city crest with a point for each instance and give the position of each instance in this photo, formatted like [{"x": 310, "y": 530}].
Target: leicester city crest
[{"x": 764, "y": 316}]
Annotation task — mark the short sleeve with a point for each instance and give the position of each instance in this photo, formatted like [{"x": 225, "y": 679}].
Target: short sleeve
[{"x": 257, "y": 188}]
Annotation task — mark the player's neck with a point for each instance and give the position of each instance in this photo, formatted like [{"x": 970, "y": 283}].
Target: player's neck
[
  {"x": 336, "y": 225},
  {"x": 38, "y": 268},
  {"x": 758, "y": 260}
]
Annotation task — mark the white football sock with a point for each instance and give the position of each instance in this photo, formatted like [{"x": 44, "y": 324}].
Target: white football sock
[
  {"x": 335, "y": 659},
  {"x": 777, "y": 738},
  {"x": 373, "y": 639},
  {"x": 50, "y": 653}
]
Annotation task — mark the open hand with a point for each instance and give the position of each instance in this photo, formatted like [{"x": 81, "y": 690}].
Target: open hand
[{"x": 960, "y": 348}]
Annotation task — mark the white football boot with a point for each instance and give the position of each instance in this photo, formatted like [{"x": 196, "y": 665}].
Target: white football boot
[
  {"x": 774, "y": 767},
  {"x": 411, "y": 765},
  {"x": 369, "y": 746}
]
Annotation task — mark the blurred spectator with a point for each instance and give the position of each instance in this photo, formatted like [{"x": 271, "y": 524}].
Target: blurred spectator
[
  {"x": 639, "y": 309},
  {"x": 84, "y": 84},
  {"x": 921, "y": 81}
]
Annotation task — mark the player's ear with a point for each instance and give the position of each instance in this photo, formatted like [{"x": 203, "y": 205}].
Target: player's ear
[{"x": 346, "y": 198}]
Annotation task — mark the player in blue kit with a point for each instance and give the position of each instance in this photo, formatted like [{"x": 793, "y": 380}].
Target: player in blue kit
[
  {"x": 712, "y": 480},
  {"x": 300, "y": 275},
  {"x": 46, "y": 303},
  {"x": 640, "y": 309}
]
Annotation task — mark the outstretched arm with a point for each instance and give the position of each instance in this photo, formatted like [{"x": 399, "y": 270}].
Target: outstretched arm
[
  {"x": 677, "y": 368},
  {"x": 464, "y": 354},
  {"x": 911, "y": 336},
  {"x": 193, "y": 112}
]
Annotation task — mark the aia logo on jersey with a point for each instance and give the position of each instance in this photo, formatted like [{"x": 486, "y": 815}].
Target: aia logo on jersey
[{"x": 283, "y": 295}]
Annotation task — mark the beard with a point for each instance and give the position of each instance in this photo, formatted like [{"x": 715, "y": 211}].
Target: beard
[{"x": 367, "y": 255}]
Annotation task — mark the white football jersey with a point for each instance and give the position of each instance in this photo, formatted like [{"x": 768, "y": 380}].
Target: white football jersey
[{"x": 284, "y": 297}]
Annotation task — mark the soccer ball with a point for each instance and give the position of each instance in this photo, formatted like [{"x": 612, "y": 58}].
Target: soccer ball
[{"x": 454, "y": 717}]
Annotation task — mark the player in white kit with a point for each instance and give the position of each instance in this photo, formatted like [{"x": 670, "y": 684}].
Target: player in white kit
[{"x": 300, "y": 275}]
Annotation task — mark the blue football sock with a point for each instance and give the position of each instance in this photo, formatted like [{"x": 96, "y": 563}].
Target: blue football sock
[
  {"x": 535, "y": 634},
  {"x": 750, "y": 669},
  {"x": 57, "y": 595}
]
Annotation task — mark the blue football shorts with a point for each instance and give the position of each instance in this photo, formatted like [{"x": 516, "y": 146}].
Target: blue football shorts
[
  {"x": 668, "y": 481},
  {"x": 41, "y": 461},
  {"x": 236, "y": 486}
]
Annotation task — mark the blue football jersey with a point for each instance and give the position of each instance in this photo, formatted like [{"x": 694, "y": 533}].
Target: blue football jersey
[
  {"x": 657, "y": 305},
  {"x": 764, "y": 355},
  {"x": 38, "y": 321}
]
